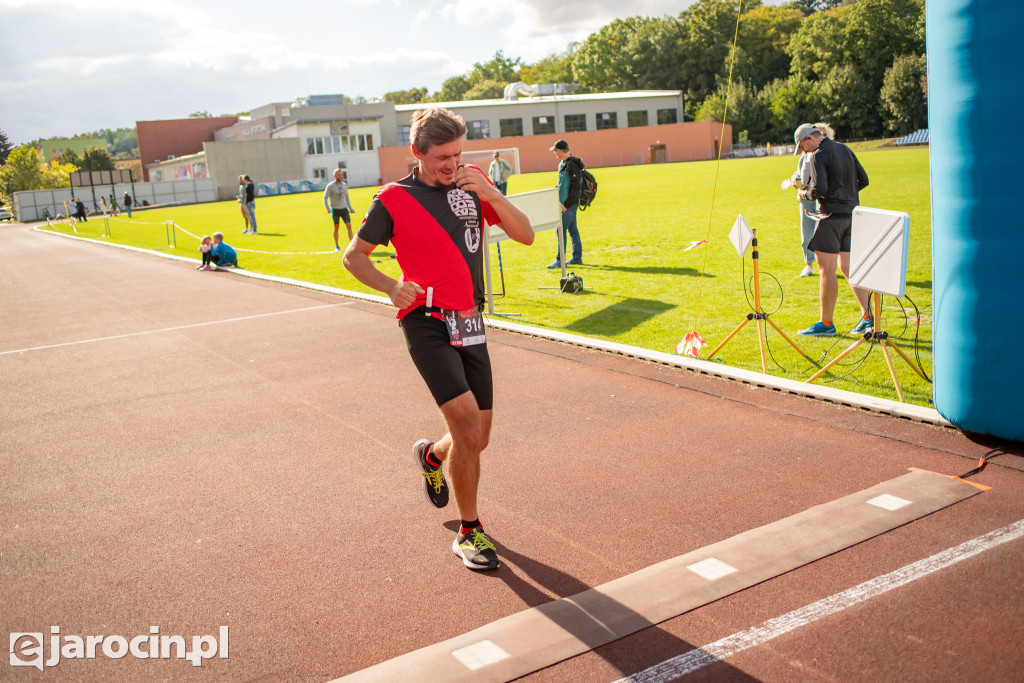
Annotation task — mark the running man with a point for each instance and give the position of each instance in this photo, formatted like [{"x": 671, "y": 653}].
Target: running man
[
  {"x": 337, "y": 203},
  {"x": 434, "y": 217}
]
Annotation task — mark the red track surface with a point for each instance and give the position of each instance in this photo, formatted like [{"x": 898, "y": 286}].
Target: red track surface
[{"x": 213, "y": 454}]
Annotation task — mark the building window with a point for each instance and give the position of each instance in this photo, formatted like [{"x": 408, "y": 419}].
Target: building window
[
  {"x": 636, "y": 118},
  {"x": 575, "y": 123},
  {"x": 608, "y": 119},
  {"x": 319, "y": 173},
  {"x": 478, "y": 130},
  {"x": 667, "y": 116},
  {"x": 403, "y": 135},
  {"x": 543, "y": 125},
  {"x": 510, "y": 128}
]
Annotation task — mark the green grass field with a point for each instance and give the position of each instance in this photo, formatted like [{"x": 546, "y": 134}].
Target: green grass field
[{"x": 641, "y": 288}]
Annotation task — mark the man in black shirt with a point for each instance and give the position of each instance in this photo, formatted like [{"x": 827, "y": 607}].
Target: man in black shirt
[{"x": 836, "y": 180}]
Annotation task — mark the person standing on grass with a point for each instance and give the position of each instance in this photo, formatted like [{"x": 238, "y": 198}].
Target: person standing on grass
[
  {"x": 128, "y": 203},
  {"x": 498, "y": 172},
  {"x": 435, "y": 218},
  {"x": 836, "y": 181},
  {"x": 338, "y": 205},
  {"x": 250, "y": 203},
  {"x": 241, "y": 202},
  {"x": 570, "y": 183}
]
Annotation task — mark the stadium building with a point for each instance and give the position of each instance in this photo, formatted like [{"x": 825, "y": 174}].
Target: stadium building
[{"x": 296, "y": 146}]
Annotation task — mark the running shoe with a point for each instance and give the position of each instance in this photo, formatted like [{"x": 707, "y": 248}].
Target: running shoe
[
  {"x": 575, "y": 262},
  {"x": 865, "y": 325},
  {"x": 554, "y": 264},
  {"x": 808, "y": 271},
  {"x": 476, "y": 550},
  {"x": 819, "y": 329},
  {"x": 434, "y": 484}
]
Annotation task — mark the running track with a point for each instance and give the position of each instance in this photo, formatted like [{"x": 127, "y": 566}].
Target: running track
[{"x": 190, "y": 450}]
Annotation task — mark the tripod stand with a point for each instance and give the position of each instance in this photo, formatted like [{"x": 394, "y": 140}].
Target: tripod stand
[
  {"x": 883, "y": 341},
  {"x": 758, "y": 314}
]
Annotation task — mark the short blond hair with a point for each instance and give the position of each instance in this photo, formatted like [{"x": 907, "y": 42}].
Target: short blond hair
[
  {"x": 827, "y": 130},
  {"x": 435, "y": 126}
]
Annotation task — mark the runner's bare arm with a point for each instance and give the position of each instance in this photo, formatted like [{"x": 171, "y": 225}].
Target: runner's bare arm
[
  {"x": 513, "y": 221},
  {"x": 357, "y": 261}
]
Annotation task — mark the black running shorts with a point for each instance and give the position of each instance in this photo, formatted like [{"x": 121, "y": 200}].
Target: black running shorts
[
  {"x": 340, "y": 214},
  {"x": 449, "y": 371},
  {"x": 832, "y": 234}
]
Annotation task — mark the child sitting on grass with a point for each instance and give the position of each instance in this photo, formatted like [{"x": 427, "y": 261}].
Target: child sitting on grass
[
  {"x": 204, "y": 247},
  {"x": 221, "y": 253}
]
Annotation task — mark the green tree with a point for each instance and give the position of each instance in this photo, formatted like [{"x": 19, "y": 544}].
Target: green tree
[
  {"x": 411, "y": 96},
  {"x": 5, "y": 148},
  {"x": 764, "y": 35},
  {"x": 708, "y": 28},
  {"x": 486, "y": 90},
  {"x": 202, "y": 114},
  {"x": 850, "y": 103},
  {"x": 747, "y": 113},
  {"x": 555, "y": 68},
  {"x": 23, "y": 171},
  {"x": 96, "y": 159},
  {"x": 500, "y": 69},
  {"x": 878, "y": 31},
  {"x": 904, "y": 90},
  {"x": 820, "y": 43},
  {"x": 56, "y": 175},
  {"x": 792, "y": 101},
  {"x": 70, "y": 156},
  {"x": 603, "y": 61},
  {"x": 452, "y": 90}
]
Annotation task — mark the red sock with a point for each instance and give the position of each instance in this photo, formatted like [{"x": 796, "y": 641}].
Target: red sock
[
  {"x": 429, "y": 457},
  {"x": 826, "y": 323}
]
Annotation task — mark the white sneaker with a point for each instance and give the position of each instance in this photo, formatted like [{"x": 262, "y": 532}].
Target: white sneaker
[{"x": 807, "y": 271}]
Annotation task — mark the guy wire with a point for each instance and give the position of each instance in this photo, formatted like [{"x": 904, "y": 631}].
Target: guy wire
[{"x": 718, "y": 163}]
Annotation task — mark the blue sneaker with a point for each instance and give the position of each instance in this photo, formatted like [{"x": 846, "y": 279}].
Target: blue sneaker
[
  {"x": 865, "y": 325},
  {"x": 819, "y": 329}
]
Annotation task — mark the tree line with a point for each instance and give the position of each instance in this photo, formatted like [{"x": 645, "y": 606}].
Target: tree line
[{"x": 858, "y": 64}]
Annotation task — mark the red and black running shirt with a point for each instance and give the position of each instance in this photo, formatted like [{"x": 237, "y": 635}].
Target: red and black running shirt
[{"x": 438, "y": 234}]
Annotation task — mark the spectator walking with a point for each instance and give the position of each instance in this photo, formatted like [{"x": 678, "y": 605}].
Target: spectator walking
[
  {"x": 80, "y": 210},
  {"x": 570, "y": 179}
]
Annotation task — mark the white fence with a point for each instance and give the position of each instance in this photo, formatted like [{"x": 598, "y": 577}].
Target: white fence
[{"x": 35, "y": 205}]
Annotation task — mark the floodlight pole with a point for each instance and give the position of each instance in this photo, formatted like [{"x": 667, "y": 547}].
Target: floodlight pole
[
  {"x": 758, "y": 314},
  {"x": 883, "y": 341}
]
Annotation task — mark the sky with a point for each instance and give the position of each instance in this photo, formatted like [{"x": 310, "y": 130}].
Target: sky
[{"x": 75, "y": 67}]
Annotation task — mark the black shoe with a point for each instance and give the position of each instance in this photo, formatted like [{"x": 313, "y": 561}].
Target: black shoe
[
  {"x": 476, "y": 550},
  {"x": 434, "y": 484},
  {"x": 575, "y": 262}
]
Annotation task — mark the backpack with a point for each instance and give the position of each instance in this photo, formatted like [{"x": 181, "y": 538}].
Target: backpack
[{"x": 588, "y": 186}]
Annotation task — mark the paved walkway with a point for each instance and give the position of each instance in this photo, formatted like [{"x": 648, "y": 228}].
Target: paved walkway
[{"x": 190, "y": 450}]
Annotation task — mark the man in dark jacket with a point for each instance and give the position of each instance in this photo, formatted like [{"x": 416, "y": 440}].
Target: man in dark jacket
[
  {"x": 570, "y": 179},
  {"x": 836, "y": 180}
]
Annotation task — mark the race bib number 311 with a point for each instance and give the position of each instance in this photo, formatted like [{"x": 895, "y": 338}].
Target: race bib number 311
[{"x": 465, "y": 328}]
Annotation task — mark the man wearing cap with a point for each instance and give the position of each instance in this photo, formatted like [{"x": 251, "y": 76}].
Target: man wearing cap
[
  {"x": 570, "y": 178},
  {"x": 498, "y": 172},
  {"x": 836, "y": 180}
]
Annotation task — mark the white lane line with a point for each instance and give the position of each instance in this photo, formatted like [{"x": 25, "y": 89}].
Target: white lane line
[
  {"x": 172, "y": 329},
  {"x": 691, "y": 661}
]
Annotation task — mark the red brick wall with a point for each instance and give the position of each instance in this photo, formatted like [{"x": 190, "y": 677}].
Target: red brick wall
[{"x": 178, "y": 137}]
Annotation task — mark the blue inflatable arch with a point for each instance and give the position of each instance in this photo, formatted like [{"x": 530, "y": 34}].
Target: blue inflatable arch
[{"x": 975, "y": 108}]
